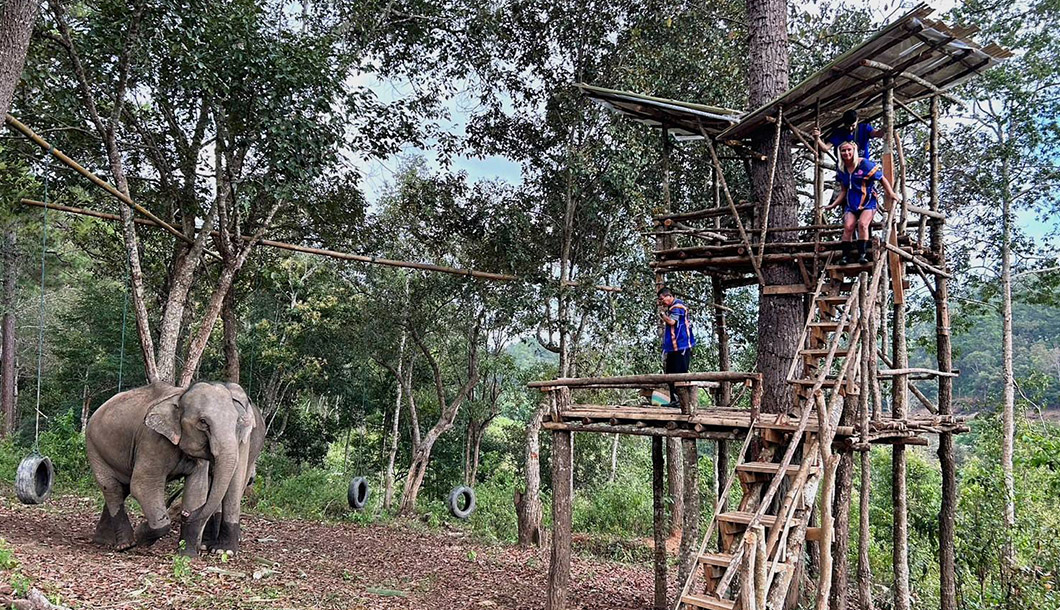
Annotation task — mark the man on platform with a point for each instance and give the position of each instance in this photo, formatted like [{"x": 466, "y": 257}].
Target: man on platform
[
  {"x": 849, "y": 129},
  {"x": 678, "y": 339}
]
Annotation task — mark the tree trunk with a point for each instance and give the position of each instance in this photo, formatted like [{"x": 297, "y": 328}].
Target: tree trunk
[
  {"x": 8, "y": 379},
  {"x": 844, "y": 479},
  {"x": 1008, "y": 435},
  {"x": 614, "y": 459},
  {"x": 528, "y": 502},
  {"x": 231, "y": 333},
  {"x": 690, "y": 528},
  {"x": 388, "y": 479},
  {"x": 86, "y": 399},
  {"x": 780, "y": 317},
  {"x": 421, "y": 456},
  {"x": 16, "y": 25},
  {"x": 675, "y": 488}
]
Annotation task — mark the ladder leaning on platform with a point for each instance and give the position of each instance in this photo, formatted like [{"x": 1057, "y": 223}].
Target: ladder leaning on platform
[{"x": 760, "y": 545}]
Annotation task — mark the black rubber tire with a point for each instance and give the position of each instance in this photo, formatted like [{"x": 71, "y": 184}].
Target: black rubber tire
[
  {"x": 458, "y": 493},
  {"x": 358, "y": 492},
  {"x": 33, "y": 481}
]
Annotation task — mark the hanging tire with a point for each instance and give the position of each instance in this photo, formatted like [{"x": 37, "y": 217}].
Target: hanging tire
[
  {"x": 357, "y": 494},
  {"x": 461, "y": 502},
  {"x": 33, "y": 481}
]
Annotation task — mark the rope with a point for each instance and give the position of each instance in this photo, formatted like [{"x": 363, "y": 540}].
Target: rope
[{"x": 40, "y": 326}]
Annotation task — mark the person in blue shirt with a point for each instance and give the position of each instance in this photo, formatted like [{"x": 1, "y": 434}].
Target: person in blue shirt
[
  {"x": 849, "y": 129},
  {"x": 678, "y": 339},
  {"x": 857, "y": 178}
]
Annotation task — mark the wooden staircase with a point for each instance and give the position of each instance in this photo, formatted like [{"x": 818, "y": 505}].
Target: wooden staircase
[{"x": 759, "y": 546}]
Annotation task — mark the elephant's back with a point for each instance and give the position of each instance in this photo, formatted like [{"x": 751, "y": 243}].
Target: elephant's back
[{"x": 123, "y": 414}]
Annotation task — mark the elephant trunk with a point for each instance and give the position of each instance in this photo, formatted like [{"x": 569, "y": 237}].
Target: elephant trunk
[{"x": 222, "y": 469}]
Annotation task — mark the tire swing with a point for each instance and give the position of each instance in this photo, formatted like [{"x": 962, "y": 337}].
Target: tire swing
[
  {"x": 358, "y": 492},
  {"x": 461, "y": 502},
  {"x": 35, "y": 475}
]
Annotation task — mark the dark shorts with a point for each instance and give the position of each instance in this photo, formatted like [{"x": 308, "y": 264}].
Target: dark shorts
[{"x": 857, "y": 213}]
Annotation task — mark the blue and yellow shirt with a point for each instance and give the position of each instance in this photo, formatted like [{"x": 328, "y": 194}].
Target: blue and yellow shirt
[
  {"x": 678, "y": 337},
  {"x": 859, "y": 184}
]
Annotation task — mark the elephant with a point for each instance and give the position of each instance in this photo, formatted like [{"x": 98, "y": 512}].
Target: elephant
[{"x": 142, "y": 438}]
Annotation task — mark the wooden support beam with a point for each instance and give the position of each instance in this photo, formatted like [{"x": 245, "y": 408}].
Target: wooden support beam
[
  {"x": 659, "y": 529},
  {"x": 690, "y": 525},
  {"x": 647, "y": 380},
  {"x": 876, "y": 65},
  {"x": 562, "y": 496}
]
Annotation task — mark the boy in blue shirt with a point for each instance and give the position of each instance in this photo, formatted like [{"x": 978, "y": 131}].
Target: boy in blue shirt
[
  {"x": 678, "y": 339},
  {"x": 849, "y": 129},
  {"x": 857, "y": 178}
]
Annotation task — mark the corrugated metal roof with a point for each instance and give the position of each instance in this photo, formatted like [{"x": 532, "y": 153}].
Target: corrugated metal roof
[
  {"x": 934, "y": 52},
  {"x": 685, "y": 120}
]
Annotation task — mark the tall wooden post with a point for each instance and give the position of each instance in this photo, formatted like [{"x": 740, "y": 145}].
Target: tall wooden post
[
  {"x": 674, "y": 476},
  {"x": 721, "y": 455},
  {"x": 690, "y": 527},
  {"x": 899, "y": 390},
  {"x": 8, "y": 375},
  {"x": 868, "y": 368},
  {"x": 562, "y": 495},
  {"x": 658, "y": 481},
  {"x": 947, "y": 569}
]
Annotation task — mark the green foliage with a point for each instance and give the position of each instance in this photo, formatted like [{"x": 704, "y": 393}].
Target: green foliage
[
  {"x": 7, "y": 556},
  {"x": 180, "y": 564},
  {"x": 64, "y": 444}
]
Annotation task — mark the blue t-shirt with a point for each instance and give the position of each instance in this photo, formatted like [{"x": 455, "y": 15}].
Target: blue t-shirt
[
  {"x": 678, "y": 337},
  {"x": 859, "y": 184},
  {"x": 860, "y": 136}
]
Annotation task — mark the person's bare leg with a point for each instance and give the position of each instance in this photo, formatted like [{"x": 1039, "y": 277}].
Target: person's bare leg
[
  {"x": 848, "y": 233},
  {"x": 864, "y": 233}
]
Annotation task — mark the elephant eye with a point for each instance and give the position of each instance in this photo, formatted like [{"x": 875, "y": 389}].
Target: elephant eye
[{"x": 203, "y": 424}]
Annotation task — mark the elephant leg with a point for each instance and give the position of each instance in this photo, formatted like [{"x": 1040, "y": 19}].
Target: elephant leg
[
  {"x": 113, "y": 528},
  {"x": 211, "y": 534},
  {"x": 150, "y": 491}
]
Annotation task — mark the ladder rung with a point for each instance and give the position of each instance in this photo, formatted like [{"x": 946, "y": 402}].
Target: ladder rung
[
  {"x": 852, "y": 269},
  {"x": 716, "y": 559},
  {"x": 829, "y": 381},
  {"x": 744, "y": 518},
  {"x": 824, "y": 325},
  {"x": 822, "y": 352},
  {"x": 708, "y": 601},
  {"x": 833, "y": 299}
]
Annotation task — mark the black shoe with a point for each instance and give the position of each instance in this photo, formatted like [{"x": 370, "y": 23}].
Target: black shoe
[
  {"x": 848, "y": 253},
  {"x": 863, "y": 251}
]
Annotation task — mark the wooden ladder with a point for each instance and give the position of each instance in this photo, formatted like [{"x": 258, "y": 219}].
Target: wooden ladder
[{"x": 759, "y": 546}]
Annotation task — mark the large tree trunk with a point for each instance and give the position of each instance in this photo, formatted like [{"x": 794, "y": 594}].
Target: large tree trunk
[
  {"x": 675, "y": 484},
  {"x": 528, "y": 501},
  {"x": 16, "y": 25},
  {"x": 8, "y": 378},
  {"x": 780, "y": 317}
]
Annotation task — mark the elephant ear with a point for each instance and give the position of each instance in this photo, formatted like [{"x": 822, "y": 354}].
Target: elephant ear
[
  {"x": 246, "y": 414},
  {"x": 164, "y": 418}
]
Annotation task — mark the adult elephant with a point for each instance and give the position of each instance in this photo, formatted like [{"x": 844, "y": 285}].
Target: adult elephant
[{"x": 142, "y": 438}]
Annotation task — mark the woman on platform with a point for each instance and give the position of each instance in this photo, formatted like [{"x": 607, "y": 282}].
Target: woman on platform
[{"x": 857, "y": 179}]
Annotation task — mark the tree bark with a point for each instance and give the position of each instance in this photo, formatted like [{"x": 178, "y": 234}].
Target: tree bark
[
  {"x": 16, "y": 26},
  {"x": 780, "y": 317},
  {"x": 944, "y": 352},
  {"x": 675, "y": 488},
  {"x": 8, "y": 378},
  {"x": 690, "y": 527},
  {"x": 528, "y": 501},
  {"x": 230, "y": 318},
  {"x": 1008, "y": 434},
  {"x": 844, "y": 479}
]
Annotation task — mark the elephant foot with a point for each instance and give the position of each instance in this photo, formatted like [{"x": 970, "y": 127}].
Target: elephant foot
[
  {"x": 228, "y": 540},
  {"x": 146, "y": 535},
  {"x": 114, "y": 530},
  {"x": 191, "y": 537},
  {"x": 211, "y": 534}
]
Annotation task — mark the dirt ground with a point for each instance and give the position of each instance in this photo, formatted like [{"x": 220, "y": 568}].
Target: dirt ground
[{"x": 299, "y": 564}]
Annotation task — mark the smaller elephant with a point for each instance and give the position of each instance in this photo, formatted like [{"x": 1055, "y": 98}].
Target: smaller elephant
[{"x": 140, "y": 439}]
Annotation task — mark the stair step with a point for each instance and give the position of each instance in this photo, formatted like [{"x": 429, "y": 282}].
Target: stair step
[
  {"x": 831, "y": 324},
  {"x": 767, "y": 468},
  {"x": 740, "y": 517},
  {"x": 708, "y": 601},
  {"x": 721, "y": 560},
  {"x": 822, "y": 352},
  {"x": 852, "y": 269},
  {"x": 829, "y": 381},
  {"x": 833, "y": 299}
]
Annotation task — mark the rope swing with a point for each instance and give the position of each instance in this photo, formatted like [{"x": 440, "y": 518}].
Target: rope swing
[{"x": 33, "y": 481}]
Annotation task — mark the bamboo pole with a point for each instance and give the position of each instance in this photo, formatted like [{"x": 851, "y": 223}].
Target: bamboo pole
[
  {"x": 373, "y": 260},
  {"x": 103, "y": 184},
  {"x": 747, "y": 571},
  {"x": 732, "y": 206},
  {"x": 769, "y": 193}
]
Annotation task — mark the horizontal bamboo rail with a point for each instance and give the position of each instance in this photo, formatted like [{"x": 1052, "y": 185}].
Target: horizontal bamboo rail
[{"x": 374, "y": 260}]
